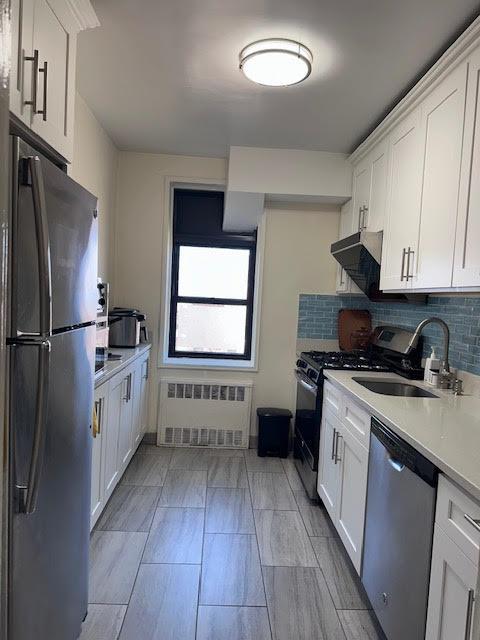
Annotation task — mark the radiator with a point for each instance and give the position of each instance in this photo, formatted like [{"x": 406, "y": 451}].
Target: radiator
[{"x": 209, "y": 413}]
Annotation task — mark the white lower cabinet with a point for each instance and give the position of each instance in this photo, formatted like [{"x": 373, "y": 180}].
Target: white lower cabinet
[
  {"x": 97, "y": 492},
  {"x": 455, "y": 564},
  {"x": 127, "y": 426},
  {"x": 328, "y": 470},
  {"x": 121, "y": 411},
  {"x": 352, "y": 493},
  {"x": 342, "y": 482},
  {"x": 452, "y": 588}
]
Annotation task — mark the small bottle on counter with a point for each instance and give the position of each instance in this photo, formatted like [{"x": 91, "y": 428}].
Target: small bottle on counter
[{"x": 432, "y": 363}]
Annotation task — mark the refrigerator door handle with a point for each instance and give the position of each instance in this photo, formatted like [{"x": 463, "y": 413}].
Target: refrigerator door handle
[
  {"x": 28, "y": 494},
  {"x": 43, "y": 249}
]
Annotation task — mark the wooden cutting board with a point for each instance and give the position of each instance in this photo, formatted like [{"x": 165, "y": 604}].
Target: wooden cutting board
[{"x": 354, "y": 329}]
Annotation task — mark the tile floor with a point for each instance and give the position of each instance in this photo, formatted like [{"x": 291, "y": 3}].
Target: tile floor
[{"x": 215, "y": 545}]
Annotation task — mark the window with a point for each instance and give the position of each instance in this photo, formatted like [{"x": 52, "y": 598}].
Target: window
[{"x": 211, "y": 307}]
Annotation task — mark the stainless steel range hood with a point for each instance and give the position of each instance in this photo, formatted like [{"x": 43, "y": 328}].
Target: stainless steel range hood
[{"x": 360, "y": 255}]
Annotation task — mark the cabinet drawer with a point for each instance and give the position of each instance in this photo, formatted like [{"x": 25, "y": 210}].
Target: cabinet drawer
[
  {"x": 453, "y": 504},
  {"x": 332, "y": 399},
  {"x": 357, "y": 421}
]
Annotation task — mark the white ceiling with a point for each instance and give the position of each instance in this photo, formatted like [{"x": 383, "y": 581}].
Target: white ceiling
[{"x": 162, "y": 75}]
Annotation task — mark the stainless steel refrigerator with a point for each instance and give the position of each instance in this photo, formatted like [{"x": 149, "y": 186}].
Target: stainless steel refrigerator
[{"x": 51, "y": 353}]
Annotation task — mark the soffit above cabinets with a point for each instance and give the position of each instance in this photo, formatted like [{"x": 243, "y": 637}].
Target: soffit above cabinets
[{"x": 294, "y": 176}]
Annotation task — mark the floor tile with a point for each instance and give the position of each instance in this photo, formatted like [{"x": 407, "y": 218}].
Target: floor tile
[
  {"x": 359, "y": 625},
  {"x": 271, "y": 491},
  {"x": 229, "y": 511},
  {"x": 292, "y": 474},
  {"x": 129, "y": 509},
  {"x": 184, "y": 488},
  {"x": 189, "y": 458},
  {"x": 343, "y": 582},
  {"x": 103, "y": 622},
  {"x": 227, "y": 472},
  {"x": 315, "y": 517},
  {"x": 266, "y": 464},
  {"x": 282, "y": 539},
  {"x": 231, "y": 573},
  {"x": 114, "y": 560},
  {"x": 233, "y": 623},
  {"x": 163, "y": 604},
  {"x": 164, "y": 452},
  {"x": 146, "y": 470},
  {"x": 228, "y": 453},
  {"x": 300, "y": 605},
  {"x": 176, "y": 536}
]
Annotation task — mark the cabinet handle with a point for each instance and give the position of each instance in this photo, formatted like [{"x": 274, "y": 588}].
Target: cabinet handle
[
  {"x": 410, "y": 252},
  {"x": 145, "y": 377},
  {"x": 333, "y": 443},
  {"x": 365, "y": 217},
  {"x": 100, "y": 415},
  {"x": 129, "y": 387},
  {"x": 472, "y": 521},
  {"x": 125, "y": 387},
  {"x": 337, "y": 438},
  {"x": 468, "y": 621},
  {"x": 34, "y": 59},
  {"x": 402, "y": 275},
  {"x": 44, "y": 70}
]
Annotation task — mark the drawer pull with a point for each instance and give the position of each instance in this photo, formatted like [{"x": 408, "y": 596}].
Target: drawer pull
[
  {"x": 474, "y": 523},
  {"x": 337, "y": 438}
]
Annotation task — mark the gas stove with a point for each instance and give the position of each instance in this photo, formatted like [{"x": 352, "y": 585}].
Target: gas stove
[{"x": 314, "y": 362}]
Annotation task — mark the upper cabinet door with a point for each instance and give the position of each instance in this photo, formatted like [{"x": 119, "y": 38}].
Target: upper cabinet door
[
  {"x": 466, "y": 270},
  {"x": 362, "y": 176},
  {"x": 55, "y": 40},
  {"x": 443, "y": 114},
  {"x": 23, "y": 61},
  {"x": 403, "y": 204},
  {"x": 374, "y": 216}
]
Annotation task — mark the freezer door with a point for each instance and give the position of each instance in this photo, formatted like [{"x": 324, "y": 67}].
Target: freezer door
[
  {"x": 48, "y": 572},
  {"x": 70, "y": 213}
]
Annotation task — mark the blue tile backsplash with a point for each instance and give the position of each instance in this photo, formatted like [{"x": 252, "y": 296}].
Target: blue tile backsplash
[{"x": 317, "y": 319}]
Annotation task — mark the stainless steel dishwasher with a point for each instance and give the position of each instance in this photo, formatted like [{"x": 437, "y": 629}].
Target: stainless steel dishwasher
[{"x": 402, "y": 487}]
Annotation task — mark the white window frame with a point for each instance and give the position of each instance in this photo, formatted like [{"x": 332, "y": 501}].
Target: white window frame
[{"x": 166, "y": 361}]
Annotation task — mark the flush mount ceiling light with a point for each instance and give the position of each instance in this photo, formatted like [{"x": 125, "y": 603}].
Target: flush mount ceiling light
[{"x": 276, "y": 62}]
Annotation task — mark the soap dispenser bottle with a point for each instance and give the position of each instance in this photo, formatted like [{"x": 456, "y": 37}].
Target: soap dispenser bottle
[{"x": 432, "y": 363}]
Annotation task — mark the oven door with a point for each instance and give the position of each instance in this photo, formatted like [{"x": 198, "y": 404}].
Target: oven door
[{"x": 307, "y": 419}]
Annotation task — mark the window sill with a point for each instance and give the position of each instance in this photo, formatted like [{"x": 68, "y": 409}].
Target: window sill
[{"x": 208, "y": 363}]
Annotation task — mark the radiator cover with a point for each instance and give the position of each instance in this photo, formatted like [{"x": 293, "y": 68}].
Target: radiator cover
[{"x": 210, "y": 413}]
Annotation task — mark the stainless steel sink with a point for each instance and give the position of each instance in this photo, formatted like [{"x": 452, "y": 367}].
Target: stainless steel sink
[{"x": 394, "y": 388}]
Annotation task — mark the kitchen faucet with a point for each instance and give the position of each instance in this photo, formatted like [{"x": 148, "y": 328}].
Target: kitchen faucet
[{"x": 446, "y": 340}]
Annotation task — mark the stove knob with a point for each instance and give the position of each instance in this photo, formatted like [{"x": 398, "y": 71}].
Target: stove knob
[{"x": 301, "y": 364}]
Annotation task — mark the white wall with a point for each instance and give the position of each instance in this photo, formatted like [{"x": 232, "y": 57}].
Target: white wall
[
  {"x": 297, "y": 260},
  {"x": 94, "y": 166}
]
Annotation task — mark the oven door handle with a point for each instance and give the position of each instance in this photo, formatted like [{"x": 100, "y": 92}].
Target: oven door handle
[{"x": 306, "y": 382}]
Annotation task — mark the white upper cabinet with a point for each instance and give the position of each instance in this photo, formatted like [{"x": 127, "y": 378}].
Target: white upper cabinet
[
  {"x": 44, "y": 34},
  {"x": 466, "y": 268},
  {"x": 425, "y": 158},
  {"x": 374, "y": 216},
  {"x": 362, "y": 179},
  {"x": 443, "y": 113},
  {"x": 403, "y": 204},
  {"x": 370, "y": 190},
  {"x": 344, "y": 284}
]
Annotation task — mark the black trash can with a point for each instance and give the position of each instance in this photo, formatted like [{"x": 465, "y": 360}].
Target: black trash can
[{"x": 273, "y": 431}]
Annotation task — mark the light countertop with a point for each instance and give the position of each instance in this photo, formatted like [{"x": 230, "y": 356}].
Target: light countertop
[
  {"x": 112, "y": 367},
  {"x": 446, "y": 430}
]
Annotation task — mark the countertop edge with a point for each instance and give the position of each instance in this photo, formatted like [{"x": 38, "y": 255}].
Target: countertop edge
[
  {"x": 115, "y": 366},
  {"x": 453, "y": 474}
]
